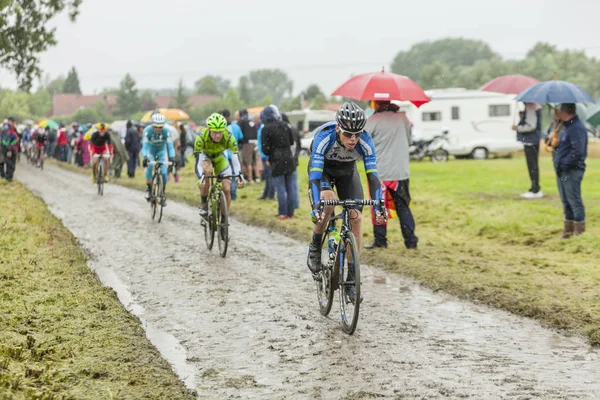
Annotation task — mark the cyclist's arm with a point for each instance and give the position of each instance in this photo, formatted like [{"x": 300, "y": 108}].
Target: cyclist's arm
[
  {"x": 198, "y": 150},
  {"x": 316, "y": 164},
  {"x": 367, "y": 148},
  {"x": 145, "y": 145}
]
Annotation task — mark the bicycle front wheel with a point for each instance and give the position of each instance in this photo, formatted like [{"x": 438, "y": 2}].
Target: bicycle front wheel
[
  {"x": 324, "y": 280},
  {"x": 100, "y": 177},
  {"x": 222, "y": 221},
  {"x": 159, "y": 198},
  {"x": 209, "y": 227},
  {"x": 349, "y": 304}
]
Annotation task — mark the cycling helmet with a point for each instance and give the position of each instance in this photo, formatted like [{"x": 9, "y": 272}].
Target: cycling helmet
[
  {"x": 351, "y": 118},
  {"x": 158, "y": 119},
  {"x": 216, "y": 122},
  {"x": 101, "y": 126}
]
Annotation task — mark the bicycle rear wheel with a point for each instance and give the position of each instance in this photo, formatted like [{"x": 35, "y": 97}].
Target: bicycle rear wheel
[
  {"x": 349, "y": 308},
  {"x": 222, "y": 225},
  {"x": 209, "y": 227},
  {"x": 160, "y": 192},
  {"x": 324, "y": 281}
]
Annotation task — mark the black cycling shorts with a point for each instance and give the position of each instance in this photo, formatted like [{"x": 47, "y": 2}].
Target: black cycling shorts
[{"x": 346, "y": 184}]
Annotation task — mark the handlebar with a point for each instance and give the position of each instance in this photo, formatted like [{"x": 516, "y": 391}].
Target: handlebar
[
  {"x": 351, "y": 203},
  {"x": 168, "y": 163},
  {"x": 204, "y": 177}
]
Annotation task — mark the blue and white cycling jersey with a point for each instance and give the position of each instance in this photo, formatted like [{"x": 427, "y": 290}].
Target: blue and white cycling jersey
[{"x": 328, "y": 155}]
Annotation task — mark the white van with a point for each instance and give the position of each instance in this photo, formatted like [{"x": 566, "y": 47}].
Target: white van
[
  {"x": 308, "y": 120},
  {"x": 478, "y": 123}
]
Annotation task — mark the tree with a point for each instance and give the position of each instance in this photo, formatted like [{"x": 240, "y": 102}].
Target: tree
[
  {"x": 128, "y": 101},
  {"x": 291, "y": 104},
  {"x": 232, "y": 100},
  {"x": 312, "y": 91},
  {"x": 72, "y": 83},
  {"x": 318, "y": 102},
  {"x": 15, "y": 104},
  {"x": 180, "y": 100},
  {"x": 24, "y": 35},
  {"x": 244, "y": 90},
  {"x": 40, "y": 103},
  {"x": 267, "y": 82},
  {"x": 212, "y": 85},
  {"x": 86, "y": 115},
  {"x": 147, "y": 102},
  {"x": 56, "y": 86},
  {"x": 453, "y": 52}
]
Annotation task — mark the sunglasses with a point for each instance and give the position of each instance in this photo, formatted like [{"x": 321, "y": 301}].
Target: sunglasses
[{"x": 350, "y": 135}]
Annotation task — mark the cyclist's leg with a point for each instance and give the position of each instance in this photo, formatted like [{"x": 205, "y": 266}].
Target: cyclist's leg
[
  {"x": 149, "y": 172},
  {"x": 351, "y": 188},
  {"x": 164, "y": 169},
  {"x": 314, "y": 249},
  {"x": 203, "y": 167},
  {"x": 223, "y": 168}
]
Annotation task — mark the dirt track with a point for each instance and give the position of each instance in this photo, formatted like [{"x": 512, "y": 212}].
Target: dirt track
[{"x": 248, "y": 326}]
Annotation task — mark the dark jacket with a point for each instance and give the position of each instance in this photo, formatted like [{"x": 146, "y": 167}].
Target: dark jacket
[
  {"x": 9, "y": 141},
  {"x": 249, "y": 129},
  {"x": 277, "y": 141},
  {"x": 132, "y": 140},
  {"x": 572, "y": 148}
]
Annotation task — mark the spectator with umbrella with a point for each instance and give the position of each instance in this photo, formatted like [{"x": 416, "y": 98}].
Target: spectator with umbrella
[{"x": 571, "y": 153}]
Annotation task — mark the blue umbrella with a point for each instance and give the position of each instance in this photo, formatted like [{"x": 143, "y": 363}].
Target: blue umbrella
[{"x": 555, "y": 92}]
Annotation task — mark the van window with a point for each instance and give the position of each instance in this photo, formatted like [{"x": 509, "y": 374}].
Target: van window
[
  {"x": 432, "y": 116},
  {"x": 455, "y": 113},
  {"x": 315, "y": 124},
  {"x": 499, "y": 110}
]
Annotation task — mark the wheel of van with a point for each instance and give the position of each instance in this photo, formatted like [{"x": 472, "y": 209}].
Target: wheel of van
[
  {"x": 440, "y": 155},
  {"x": 479, "y": 153}
]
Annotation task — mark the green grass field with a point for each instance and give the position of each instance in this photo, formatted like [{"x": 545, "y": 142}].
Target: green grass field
[
  {"x": 62, "y": 334},
  {"x": 478, "y": 239}
]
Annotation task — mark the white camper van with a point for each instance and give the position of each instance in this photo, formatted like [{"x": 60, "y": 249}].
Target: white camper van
[
  {"x": 307, "y": 120},
  {"x": 478, "y": 123}
]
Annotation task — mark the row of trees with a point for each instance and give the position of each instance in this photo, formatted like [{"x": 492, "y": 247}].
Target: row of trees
[{"x": 470, "y": 63}]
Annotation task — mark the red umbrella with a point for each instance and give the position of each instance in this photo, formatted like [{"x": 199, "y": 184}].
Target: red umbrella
[
  {"x": 509, "y": 84},
  {"x": 382, "y": 86}
]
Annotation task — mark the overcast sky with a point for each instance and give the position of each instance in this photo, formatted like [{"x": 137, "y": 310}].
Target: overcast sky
[{"x": 314, "y": 41}]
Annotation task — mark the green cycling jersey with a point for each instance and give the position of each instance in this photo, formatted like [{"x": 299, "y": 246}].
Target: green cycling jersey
[{"x": 216, "y": 152}]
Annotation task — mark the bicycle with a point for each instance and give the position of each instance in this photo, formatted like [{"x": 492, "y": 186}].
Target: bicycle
[
  {"x": 340, "y": 247},
  {"x": 100, "y": 173},
  {"x": 217, "y": 219},
  {"x": 157, "y": 189}
]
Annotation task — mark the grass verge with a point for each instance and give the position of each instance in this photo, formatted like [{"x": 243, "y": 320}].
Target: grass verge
[
  {"x": 62, "y": 334},
  {"x": 478, "y": 239}
]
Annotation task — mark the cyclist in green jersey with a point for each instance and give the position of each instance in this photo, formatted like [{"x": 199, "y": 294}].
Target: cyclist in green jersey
[{"x": 210, "y": 150}]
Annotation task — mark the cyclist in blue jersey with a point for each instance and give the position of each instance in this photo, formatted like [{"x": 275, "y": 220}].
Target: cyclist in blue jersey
[
  {"x": 157, "y": 142},
  {"x": 335, "y": 149}
]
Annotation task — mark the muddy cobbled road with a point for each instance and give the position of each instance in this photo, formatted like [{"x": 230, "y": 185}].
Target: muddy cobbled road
[{"x": 248, "y": 326}]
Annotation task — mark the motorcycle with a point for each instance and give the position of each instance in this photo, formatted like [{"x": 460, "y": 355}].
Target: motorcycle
[{"x": 433, "y": 148}]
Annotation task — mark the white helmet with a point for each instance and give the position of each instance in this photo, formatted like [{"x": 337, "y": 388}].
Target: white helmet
[{"x": 158, "y": 119}]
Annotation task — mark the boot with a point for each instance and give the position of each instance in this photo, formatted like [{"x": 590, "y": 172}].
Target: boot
[
  {"x": 569, "y": 229},
  {"x": 579, "y": 228}
]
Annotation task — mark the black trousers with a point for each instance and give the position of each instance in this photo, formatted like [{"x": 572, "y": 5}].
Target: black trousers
[
  {"x": 532, "y": 153},
  {"x": 401, "y": 199},
  {"x": 132, "y": 163},
  {"x": 7, "y": 167}
]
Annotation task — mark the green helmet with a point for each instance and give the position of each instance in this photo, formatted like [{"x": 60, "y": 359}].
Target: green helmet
[{"x": 216, "y": 122}]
